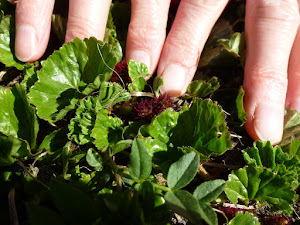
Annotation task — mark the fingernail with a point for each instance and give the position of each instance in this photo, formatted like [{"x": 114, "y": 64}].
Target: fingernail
[
  {"x": 142, "y": 57},
  {"x": 25, "y": 43},
  {"x": 174, "y": 77},
  {"x": 268, "y": 122}
]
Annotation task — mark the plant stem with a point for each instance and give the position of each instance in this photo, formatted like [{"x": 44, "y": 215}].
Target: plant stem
[{"x": 163, "y": 188}]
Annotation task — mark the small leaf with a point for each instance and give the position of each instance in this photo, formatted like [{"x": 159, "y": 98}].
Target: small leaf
[
  {"x": 40, "y": 215},
  {"x": 184, "y": 204},
  {"x": 244, "y": 219},
  {"x": 260, "y": 184},
  {"x": 121, "y": 145},
  {"x": 111, "y": 93},
  {"x": 136, "y": 72},
  {"x": 107, "y": 130},
  {"x": 240, "y": 106},
  {"x": 17, "y": 117},
  {"x": 12, "y": 148},
  {"x": 59, "y": 26},
  {"x": 200, "y": 88},
  {"x": 209, "y": 190},
  {"x": 94, "y": 159},
  {"x": 30, "y": 77},
  {"x": 157, "y": 84},
  {"x": 140, "y": 165},
  {"x": 291, "y": 128},
  {"x": 182, "y": 172},
  {"x": 208, "y": 214},
  {"x": 7, "y": 33},
  {"x": 234, "y": 45}
]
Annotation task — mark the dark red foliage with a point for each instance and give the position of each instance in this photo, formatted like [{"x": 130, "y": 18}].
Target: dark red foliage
[
  {"x": 120, "y": 72},
  {"x": 276, "y": 220},
  {"x": 146, "y": 109},
  {"x": 230, "y": 211}
]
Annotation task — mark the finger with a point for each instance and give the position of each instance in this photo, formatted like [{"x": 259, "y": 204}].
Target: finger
[
  {"x": 293, "y": 92},
  {"x": 147, "y": 31},
  {"x": 33, "y": 22},
  {"x": 270, "y": 31},
  {"x": 192, "y": 25},
  {"x": 87, "y": 19}
]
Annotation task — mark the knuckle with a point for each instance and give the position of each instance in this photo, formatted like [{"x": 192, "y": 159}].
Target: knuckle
[
  {"x": 82, "y": 30},
  {"x": 285, "y": 12},
  {"x": 187, "y": 51},
  {"x": 145, "y": 34},
  {"x": 273, "y": 82}
]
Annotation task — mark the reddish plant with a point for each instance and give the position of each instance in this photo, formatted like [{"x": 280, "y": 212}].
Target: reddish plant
[
  {"x": 120, "y": 72},
  {"x": 146, "y": 109}
]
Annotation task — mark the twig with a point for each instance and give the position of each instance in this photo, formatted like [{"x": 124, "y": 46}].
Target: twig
[
  {"x": 13, "y": 214},
  {"x": 40, "y": 156},
  {"x": 142, "y": 94},
  {"x": 203, "y": 173},
  {"x": 24, "y": 168}
]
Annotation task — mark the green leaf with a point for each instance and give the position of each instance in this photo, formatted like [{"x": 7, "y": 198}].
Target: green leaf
[
  {"x": 55, "y": 93},
  {"x": 209, "y": 190},
  {"x": 102, "y": 59},
  {"x": 81, "y": 126},
  {"x": 59, "y": 26},
  {"x": 201, "y": 89},
  {"x": 54, "y": 143},
  {"x": 294, "y": 148},
  {"x": 76, "y": 206},
  {"x": 137, "y": 71},
  {"x": 94, "y": 159},
  {"x": 184, "y": 204},
  {"x": 12, "y": 148},
  {"x": 182, "y": 172},
  {"x": 63, "y": 76},
  {"x": 40, "y": 215},
  {"x": 107, "y": 130},
  {"x": 202, "y": 127},
  {"x": 30, "y": 77},
  {"x": 17, "y": 117},
  {"x": 7, "y": 33},
  {"x": 240, "y": 106},
  {"x": 235, "y": 44},
  {"x": 157, "y": 84},
  {"x": 121, "y": 145},
  {"x": 111, "y": 93},
  {"x": 291, "y": 130},
  {"x": 244, "y": 219},
  {"x": 208, "y": 214},
  {"x": 263, "y": 154},
  {"x": 260, "y": 184},
  {"x": 140, "y": 165}
]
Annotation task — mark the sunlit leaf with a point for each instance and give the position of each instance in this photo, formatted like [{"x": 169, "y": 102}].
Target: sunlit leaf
[
  {"x": 137, "y": 71},
  {"x": 140, "y": 165},
  {"x": 246, "y": 218},
  {"x": 182, "y": 172},
  {"x": 209, "y": 190},
  {"x": 200, "y": 88},
  {"x": 240, "y": 106},
  {"x": 262, "y": 185}
]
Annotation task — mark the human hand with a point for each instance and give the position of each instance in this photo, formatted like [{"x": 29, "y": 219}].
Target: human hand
[{"x": 271, "y": 27}]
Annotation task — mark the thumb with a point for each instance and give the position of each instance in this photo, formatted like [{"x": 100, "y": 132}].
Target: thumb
[{"x": 33, "y": 22}]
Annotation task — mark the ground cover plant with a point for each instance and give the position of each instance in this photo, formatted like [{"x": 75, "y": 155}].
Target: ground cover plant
[{"x": 84, "y": 139}]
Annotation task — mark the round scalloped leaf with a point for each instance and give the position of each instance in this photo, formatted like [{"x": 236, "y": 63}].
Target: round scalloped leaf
[
  {"x": 260, "y": 184},
  {"x": 17, "y": 117},
  {"x": 200, "y": 88},
  {"x": 202, "y": 127},
  {"x": 66, "y": 72},
  {"x": 107, "y": 130}
]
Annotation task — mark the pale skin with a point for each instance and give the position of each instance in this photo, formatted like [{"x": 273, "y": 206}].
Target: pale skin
[{"x": 272, "y": 70}]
